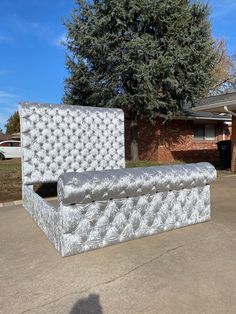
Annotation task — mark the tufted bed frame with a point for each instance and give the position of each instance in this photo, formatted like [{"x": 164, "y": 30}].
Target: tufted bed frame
[{"x": 101, "y": 202}]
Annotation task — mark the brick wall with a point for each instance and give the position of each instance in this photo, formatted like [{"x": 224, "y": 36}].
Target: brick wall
[{"x": 173, "y": 140}]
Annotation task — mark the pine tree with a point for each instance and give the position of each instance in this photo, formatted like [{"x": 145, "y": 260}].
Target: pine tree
[
  {"x": 13, "y": 124},
  {"x": 145, "y": 56}
]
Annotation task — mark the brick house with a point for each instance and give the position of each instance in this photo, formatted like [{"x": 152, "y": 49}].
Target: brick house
[{"x": 192, "y": 137}]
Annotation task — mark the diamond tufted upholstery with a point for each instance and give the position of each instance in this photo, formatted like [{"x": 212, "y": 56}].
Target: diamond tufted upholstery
[
  {"x": 99, "y": 208},
  {"x": 98, "y": 224},
  {"x": 134, "y": 182},
  {"x": 58, "y": 138}
]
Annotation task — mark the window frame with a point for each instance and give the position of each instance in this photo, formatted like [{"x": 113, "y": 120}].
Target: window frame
[{"x": 205, "y": 137}]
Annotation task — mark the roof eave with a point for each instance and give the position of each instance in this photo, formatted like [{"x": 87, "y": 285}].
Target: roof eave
[
  {"x": 189, "y": 117},
  {"x": 218, "y": 107}
]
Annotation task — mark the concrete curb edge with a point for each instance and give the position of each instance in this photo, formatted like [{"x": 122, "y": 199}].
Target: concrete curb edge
[{"x": 19, "y": 202}]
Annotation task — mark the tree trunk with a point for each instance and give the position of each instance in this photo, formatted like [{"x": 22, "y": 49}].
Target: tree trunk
[{"x": 134, "y": 137}]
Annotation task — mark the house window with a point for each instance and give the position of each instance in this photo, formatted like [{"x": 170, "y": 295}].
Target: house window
[
  {"x": 210, "y": 132},
  {"x": 204, "y": 132},
  {"x": 199, "y": 131}
]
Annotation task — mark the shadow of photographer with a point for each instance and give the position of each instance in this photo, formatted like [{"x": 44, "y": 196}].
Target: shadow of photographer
[{"x": 89, "y": 305}]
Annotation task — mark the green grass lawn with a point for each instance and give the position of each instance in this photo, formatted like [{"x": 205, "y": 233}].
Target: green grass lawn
[
  {"x": 146, "y": 163},
  {"x": 10, "y": 179}
]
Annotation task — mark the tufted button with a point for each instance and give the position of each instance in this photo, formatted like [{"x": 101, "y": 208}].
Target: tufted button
[{"x": 55, "y": 131}]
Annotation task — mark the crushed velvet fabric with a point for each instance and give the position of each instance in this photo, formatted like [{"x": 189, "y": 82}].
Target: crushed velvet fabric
[
  {"x": 46, "y": 216},
  {"x": 80, "y": 227},
  {"x": 101, "y": 223},
  {"x": 89, "y": 186},
  {"x": 60, "y": 138},
  {"x": 100, "y": 208}
]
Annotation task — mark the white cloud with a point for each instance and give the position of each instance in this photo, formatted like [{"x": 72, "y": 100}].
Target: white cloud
[
  {"x": 4, "y": 38},
  {"x": 6, "y": 94},
  {"x": 60, "y": 40},
  {"x": 36, "y": 29},
  {"x": 26, "y": 26}
]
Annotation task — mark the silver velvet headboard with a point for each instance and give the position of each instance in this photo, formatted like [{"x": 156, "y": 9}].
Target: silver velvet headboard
[{"x": 61, "y": 138}]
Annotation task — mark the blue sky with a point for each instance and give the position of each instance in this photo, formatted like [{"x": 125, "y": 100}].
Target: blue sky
[{"x": 32, "y": 59}]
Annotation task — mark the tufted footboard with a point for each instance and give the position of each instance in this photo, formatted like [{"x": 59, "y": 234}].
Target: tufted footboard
[{"x": 99, "y": 208}]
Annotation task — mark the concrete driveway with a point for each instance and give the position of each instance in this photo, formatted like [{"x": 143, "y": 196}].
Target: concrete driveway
[{"x": 190, "y": 270}]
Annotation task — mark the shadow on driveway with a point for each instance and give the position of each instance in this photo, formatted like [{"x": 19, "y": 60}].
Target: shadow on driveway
[{"x": 89, "y": 305}]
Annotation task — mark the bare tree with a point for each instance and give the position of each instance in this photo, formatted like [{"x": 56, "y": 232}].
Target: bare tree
[{"x": 224, "y": 73}]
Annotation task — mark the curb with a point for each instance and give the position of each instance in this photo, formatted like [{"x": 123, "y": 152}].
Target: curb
[{"x": 19, "y": 202}]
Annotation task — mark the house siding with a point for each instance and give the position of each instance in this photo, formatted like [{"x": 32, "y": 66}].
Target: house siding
[{"x": 169, "y": 141}]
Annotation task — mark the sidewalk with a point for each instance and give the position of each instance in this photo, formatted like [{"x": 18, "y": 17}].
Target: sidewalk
[{"x": 190, "y": 270}]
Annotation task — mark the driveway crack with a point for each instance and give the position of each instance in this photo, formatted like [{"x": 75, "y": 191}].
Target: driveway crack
[
  {"x": 143, "y": 264},
  {"x": 106, "y": 282}
]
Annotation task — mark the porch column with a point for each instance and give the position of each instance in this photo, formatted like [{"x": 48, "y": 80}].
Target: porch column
[{"x": 233, "y": 140}]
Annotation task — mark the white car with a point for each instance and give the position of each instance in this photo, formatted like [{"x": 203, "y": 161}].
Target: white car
[{"x": 10, "y": 149}]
